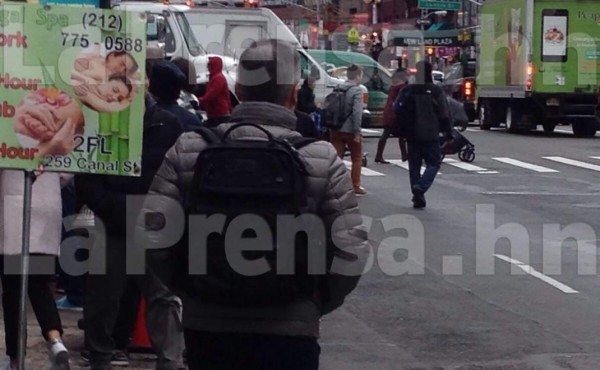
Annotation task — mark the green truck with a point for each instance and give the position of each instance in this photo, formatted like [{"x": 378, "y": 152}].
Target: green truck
[{"x": 539, "y": 64}]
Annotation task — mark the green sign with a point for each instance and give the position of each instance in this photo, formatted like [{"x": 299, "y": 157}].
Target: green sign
[
  {"x": 440, "y": 4},
  {"x": 71, "y": 89}
]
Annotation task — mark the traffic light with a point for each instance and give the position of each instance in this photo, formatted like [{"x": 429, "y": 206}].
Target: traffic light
[{"x": 250, "y": 3}]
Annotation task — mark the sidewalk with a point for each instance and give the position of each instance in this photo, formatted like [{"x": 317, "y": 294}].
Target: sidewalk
[{"x": 37, "y": 354}]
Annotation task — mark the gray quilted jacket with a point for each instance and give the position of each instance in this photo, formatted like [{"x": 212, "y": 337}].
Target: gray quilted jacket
[{"x": 331, "y": 196}]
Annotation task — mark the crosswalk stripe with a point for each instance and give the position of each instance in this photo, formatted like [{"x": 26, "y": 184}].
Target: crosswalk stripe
[
  {"x": 467, "y": 166},
  {"x": 594, "y": 157},
  {"x": 399, "y": 163},
  {"x": 575, "y": 163},
  {"x": 364, "y": 170},
  {"x": 525, "y": 165},
  {"x": 370, "y": 131}
]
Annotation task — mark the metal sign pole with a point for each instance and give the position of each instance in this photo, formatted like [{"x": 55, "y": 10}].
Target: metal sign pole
[{"x": 29, "y": 178}]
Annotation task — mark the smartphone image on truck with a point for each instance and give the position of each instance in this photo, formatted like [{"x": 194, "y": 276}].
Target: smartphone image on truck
[{"x": 554, "y": 35}]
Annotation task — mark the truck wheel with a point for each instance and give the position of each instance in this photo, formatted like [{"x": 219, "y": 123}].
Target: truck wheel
[
  {"x": 585, "y": 128},
  {"x": 513, "y": 118},
  {"x": 549, "y": 126},
  {"x": 485, "y": 115}
]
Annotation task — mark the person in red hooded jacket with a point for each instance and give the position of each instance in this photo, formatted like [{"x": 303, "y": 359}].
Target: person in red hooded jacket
[{"x": 216, "y": 100}]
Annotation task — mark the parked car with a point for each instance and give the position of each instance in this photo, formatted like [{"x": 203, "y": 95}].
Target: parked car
[{"x": 459, "y": 83}]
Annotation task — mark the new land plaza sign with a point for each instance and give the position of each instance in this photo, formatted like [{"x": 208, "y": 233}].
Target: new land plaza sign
[
  {"x": 71, "y": 89},
  {"x": 440, "y": 4}
]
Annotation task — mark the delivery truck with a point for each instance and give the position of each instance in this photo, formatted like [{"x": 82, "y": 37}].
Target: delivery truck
[{"x": 539, "y": 64}]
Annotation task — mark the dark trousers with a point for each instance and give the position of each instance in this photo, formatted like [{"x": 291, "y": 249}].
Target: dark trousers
[
  {"x": 419, "y": 152},
  {"x": 40, "y": 296},
  {"x": 105, "y": 295},
  {"x": 387, "y": 132},
  {"x": 225, "y": 351}
]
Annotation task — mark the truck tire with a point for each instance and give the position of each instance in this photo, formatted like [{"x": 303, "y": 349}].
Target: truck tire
[
  {"x": 512, "y": 119},
  {"x": 549, "y": 126},
  {"x": 485, "y": 115},
  {"x": 585, "y": 128}
]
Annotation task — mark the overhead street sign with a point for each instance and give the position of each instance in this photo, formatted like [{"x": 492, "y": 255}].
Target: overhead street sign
[{"x": 440, "y": 4}]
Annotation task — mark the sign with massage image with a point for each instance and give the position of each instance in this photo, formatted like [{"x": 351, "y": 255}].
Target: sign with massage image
[{"x": 71, "y": 89}]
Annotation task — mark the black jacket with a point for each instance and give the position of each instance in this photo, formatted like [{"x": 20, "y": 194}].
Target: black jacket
[
  {"x": 306, "y": 100},
  {"x": 106, "y": 195},
  {"x": 305, "y": 125},
  {"x": 423, "y": 107}
]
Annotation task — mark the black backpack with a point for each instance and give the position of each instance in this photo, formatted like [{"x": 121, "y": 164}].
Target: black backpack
[
  {"x": 241, "y": 177},
  {"x": 333, "y": 110}
]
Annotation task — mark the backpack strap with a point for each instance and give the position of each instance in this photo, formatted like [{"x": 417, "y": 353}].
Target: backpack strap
[{"x": 209, "y": 135}]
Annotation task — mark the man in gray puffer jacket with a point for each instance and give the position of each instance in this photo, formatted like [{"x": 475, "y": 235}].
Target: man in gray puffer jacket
[{"x": 278, "y": 336}]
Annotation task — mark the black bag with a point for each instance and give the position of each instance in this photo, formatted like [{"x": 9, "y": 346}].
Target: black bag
[
  {"x": 249, "y": 177},
  {"x": 333, "y": 110}
]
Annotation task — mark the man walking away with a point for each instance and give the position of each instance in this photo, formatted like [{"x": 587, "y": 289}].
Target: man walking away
[
  {"x": 399, "y": 81},
  {"x": 223, "y": 330},
  {"x": 422, "y": 111},
  {"x": 349, "y": 135},
  {"x": 216, "y": 101}
]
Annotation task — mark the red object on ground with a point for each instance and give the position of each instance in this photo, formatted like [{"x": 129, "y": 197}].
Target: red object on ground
[{"x": 140, "y": 334}]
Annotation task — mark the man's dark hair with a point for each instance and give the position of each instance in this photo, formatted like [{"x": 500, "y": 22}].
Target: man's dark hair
[
  {"x": 424, "y": 70},
  {"x": 118, "y": 53},
  {"x": 268, "y": 71},
  {"x": 166, "y": 81},
  {"x": 188, "y": 69},
  {"x": 353, "y": 71}
]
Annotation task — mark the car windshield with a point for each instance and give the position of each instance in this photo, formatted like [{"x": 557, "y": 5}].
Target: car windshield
[{"x": 192, "y": 43}]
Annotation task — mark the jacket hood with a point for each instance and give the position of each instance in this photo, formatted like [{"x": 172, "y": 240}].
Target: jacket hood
[{"x": 215, "y": 65}]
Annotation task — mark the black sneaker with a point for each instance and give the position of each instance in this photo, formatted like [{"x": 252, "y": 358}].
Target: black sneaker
[
  {"x": 418, "y": 199},
  {"x": 119, "y": 358}
]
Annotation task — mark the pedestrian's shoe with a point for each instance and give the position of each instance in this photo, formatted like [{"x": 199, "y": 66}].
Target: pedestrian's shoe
[
  {"x": 119, "y": 358},
  {"x": 59, "y": 356},
  {"x": 360, "y": 191},
  {"x": 66, "y": 305},
  {"x": 418, "y": 198},
  {"x": 381, "y": 161}
]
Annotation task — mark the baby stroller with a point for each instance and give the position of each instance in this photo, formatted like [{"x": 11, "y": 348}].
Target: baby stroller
[{"x": 461, "y": 145}]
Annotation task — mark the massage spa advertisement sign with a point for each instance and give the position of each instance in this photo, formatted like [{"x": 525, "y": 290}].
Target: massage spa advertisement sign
[{"x": 71, "y": 89}]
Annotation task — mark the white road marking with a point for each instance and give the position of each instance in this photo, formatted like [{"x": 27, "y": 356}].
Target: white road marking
[
  {"x": 525, "y": 165},
  {"x": 370, "y": 131},
  {"x": 563, "y": 131},
  {"x": 533, "y": 272},
  {"x": 399, "y": 163},
  {"x": 474, "y": 130},
  {"x": 467, "y": 166},
  {"x": 364, "y": 170},
  {"x": 541, "y": 193},
  {"x": 594, "y": 157},
  {"x": 575, "y": 163}
]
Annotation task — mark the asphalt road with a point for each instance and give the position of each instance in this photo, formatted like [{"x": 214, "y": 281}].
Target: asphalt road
[
  {"x": 449, "y": 300},
  {"x": 504, "y": 274}
]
